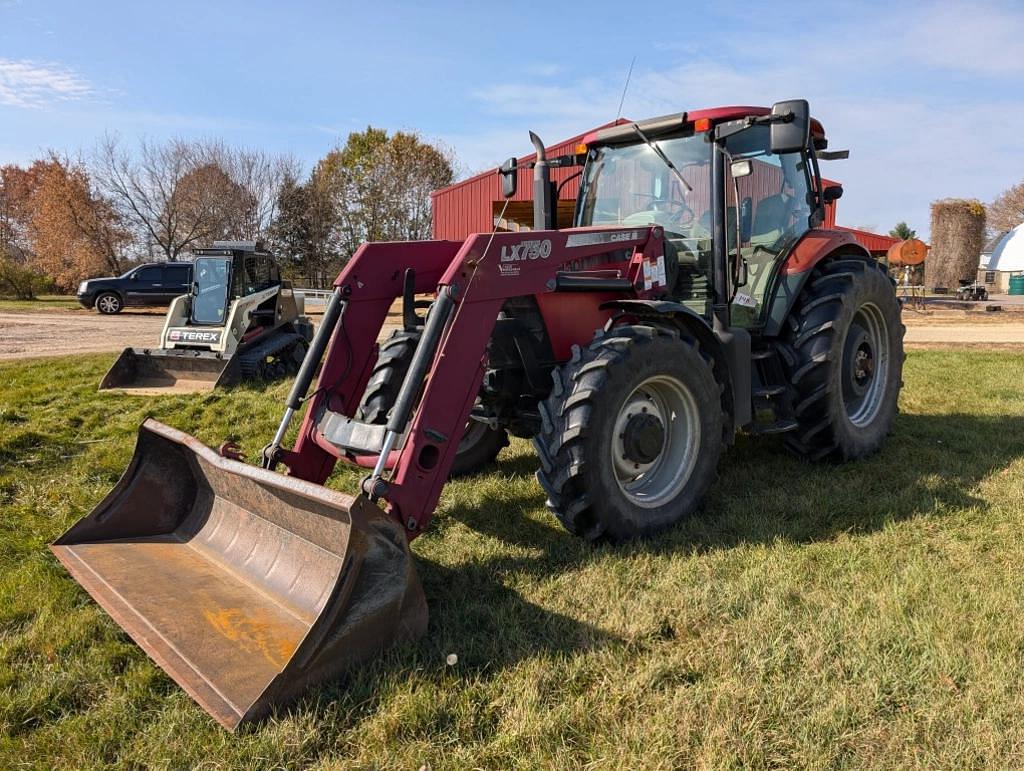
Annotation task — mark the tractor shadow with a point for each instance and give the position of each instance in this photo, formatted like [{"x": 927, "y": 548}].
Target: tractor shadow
[{"x": 930, "y": 464}]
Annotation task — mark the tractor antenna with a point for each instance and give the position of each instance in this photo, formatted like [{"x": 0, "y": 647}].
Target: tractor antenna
[{"x": 625, "y": 88}]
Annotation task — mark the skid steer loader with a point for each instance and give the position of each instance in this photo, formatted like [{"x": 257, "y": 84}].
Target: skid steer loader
[
  {"x": 695, "y": 296},
  {"x": 239, "y": 322}
]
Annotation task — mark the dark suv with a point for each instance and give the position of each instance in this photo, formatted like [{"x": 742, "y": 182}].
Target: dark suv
[{"x": 152, "y": 284}]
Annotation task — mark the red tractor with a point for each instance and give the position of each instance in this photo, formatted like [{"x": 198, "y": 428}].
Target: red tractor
[{"x": 695, "y": 296}]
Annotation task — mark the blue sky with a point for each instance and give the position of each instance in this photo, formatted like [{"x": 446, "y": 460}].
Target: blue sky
[{"x": 927, "y": 96}]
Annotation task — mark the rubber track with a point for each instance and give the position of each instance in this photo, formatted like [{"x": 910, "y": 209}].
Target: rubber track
[{"x": 249, "y": 360}]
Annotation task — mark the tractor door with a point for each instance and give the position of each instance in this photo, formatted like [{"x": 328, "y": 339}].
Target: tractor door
[
  {"x": 768, "y": 208},
  {"x": 212, "y": 277}
]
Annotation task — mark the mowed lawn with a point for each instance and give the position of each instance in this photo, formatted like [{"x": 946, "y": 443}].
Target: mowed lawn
[{"x": 868, "y": 615}]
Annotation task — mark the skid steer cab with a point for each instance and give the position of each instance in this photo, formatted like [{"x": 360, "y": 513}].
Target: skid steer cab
[
  {"x": 239, "y": 321},
  {"x": 695, "y": 296}
]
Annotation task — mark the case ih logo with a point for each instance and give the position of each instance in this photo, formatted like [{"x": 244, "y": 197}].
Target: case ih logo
[
  {"x": 526, "y": 250},
  {"x": 193, "y": 336}
]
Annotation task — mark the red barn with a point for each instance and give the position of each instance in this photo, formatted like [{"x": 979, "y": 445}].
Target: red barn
[{"x": 475, "y": 205}]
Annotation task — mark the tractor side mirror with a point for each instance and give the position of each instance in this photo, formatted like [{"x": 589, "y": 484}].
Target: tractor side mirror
[
  {"x": 509, "y": 172},
  {"x": 832, "y": 193},
  {"x": 740, "y": 169},
  {"x": 790, "y": 126}
]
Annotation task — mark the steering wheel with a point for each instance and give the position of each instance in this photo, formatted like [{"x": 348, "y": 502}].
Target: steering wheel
[{"x": 683, "y": 216}]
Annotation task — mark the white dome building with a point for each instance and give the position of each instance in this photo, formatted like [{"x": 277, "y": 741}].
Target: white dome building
[{"x": 1006, "y": 260}]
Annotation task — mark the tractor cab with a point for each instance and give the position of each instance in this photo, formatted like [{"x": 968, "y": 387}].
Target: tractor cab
[
  {"x": 691, "y": 173},
  {"x": 227, "y": 271}
]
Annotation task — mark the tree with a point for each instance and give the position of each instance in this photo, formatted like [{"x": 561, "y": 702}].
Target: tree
[
  {"x": 181, "y": 195},
  {"x": 1007, "y": 210},
  {"x": 903, "y": 231},
  {"x": 303, "y": 231},
  {"x": 381, "y": 186},
  {"x": 76, "y": 233},
  {"x": 16, "y": 186}
]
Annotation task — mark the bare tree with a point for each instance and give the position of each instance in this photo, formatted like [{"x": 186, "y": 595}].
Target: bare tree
[
  {"x": 181, "y": 195},
  {"x": 260, "y": 176},
  {"x": 1007, "y": 210}
]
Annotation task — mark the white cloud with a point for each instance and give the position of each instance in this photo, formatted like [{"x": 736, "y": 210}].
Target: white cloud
[
  {"x": 922, "y": 98},
  {"x": 30, "y": 84}
]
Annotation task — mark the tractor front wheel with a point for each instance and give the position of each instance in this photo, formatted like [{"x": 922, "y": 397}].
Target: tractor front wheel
[
  {"x": 480, "y": 444},
  {"x": 846, "y": 339},
  {"x": 631, "y": 434}
]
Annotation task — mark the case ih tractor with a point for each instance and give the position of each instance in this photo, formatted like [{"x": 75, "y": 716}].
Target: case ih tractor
[{"x": 695, "y": 297}]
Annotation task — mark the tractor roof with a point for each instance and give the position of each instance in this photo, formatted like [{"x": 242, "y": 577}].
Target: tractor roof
[{"x": 668, "y": 123}]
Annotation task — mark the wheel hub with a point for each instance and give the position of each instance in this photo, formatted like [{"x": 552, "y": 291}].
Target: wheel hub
[
  {"x": 655, "y": 441},
  {"x": 643, "y": 438},
  {"x": 865, "y": 362}
]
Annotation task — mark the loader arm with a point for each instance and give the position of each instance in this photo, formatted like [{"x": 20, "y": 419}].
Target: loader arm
[{"x": 478, "y": 275}]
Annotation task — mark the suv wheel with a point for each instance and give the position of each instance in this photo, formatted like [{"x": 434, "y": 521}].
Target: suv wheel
[{"x": 109, "y": 303}]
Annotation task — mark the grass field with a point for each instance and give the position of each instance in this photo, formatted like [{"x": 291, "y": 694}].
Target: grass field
[
  {"x": 48, "y": 302},
  {"x": 869, "y": 615}
]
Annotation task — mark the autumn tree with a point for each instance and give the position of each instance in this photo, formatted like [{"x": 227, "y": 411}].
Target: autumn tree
[
  {"x": 16, "y": 186},
  {"x": 76, "y": 233},
  {"x": 381, "y": 186},
  {"x": 1007, "y": 210}
]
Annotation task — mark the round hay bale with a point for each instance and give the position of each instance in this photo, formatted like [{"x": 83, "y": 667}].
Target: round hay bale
[
  {"x": 909, "y": 252},
  {"x": 958, "y": 236}
]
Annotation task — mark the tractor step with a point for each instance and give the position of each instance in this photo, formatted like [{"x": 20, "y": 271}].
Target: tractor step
[
  {"x": 767, "y": 392},
  {"x": 778, "y": 427}
]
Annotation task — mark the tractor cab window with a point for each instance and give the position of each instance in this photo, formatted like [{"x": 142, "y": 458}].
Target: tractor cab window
[
  {"x": 212, "y": 279},
  {"x": 773, "y": 212},
  {"x": 632, "y": 185},
  {"x": 258, "y": 273}
]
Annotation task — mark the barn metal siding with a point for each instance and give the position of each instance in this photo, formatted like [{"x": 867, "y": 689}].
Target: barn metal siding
[{"x": 467, "y": 207}]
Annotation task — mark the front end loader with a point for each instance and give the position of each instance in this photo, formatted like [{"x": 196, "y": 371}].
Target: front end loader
[
  {"x": 696, "y": 296},
  {"x": 239, "y": 322}
]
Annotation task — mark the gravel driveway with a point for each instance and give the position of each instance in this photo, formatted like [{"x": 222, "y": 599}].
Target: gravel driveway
[
  {"x": 61, "y": 333},
  {"x": 24, "y": 335}
]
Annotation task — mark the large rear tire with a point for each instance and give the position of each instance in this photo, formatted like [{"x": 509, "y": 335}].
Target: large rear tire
[
  {"x": 846, "y": 337},
  {"x": 631, "y": 434},
  {"x": 480, "y": 444}
]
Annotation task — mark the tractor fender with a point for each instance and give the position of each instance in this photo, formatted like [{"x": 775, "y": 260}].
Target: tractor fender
[
  {"x": 726, "y": 347},
  {"x": 812, "y": 248}
]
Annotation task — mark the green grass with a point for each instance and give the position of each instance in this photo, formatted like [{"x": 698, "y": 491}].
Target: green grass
[
  {"x": 868, "y": 615},
  {"x": 46, "y": 302}
]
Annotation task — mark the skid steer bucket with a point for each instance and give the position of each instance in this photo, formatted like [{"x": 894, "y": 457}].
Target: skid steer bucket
[
  {"x": 244, "y": 585},
  {"x": 144, "y": 371}
]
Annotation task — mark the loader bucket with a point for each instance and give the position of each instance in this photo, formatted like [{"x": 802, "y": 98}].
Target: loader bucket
[
  {"x": 142, "y": 371},
  {"x": 246, "y": 586}
]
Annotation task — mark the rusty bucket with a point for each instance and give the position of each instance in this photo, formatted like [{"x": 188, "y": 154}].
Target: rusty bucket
[
  {"x": 246, "y": 586},
  {"x": 158, "y": 371}
]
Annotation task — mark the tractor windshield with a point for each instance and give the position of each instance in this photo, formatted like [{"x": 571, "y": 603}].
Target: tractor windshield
[
  {"x": 632, "y": 185},
  {"x": 212, "y": 280}
]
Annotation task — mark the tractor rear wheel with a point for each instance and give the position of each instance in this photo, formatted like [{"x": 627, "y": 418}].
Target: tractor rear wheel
[
  {"x": 631, "y": 434},
  {"x": 479, "y": 445},
  {"x": 846, "y": 338}
]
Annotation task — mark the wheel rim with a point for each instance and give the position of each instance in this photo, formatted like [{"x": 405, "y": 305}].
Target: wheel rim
[
  {"x": 108, "y": 304},
  {"x": 655, "y": 441},
  {"x": 475, "y": 431},
  {"x": 865, "y": 365}
]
